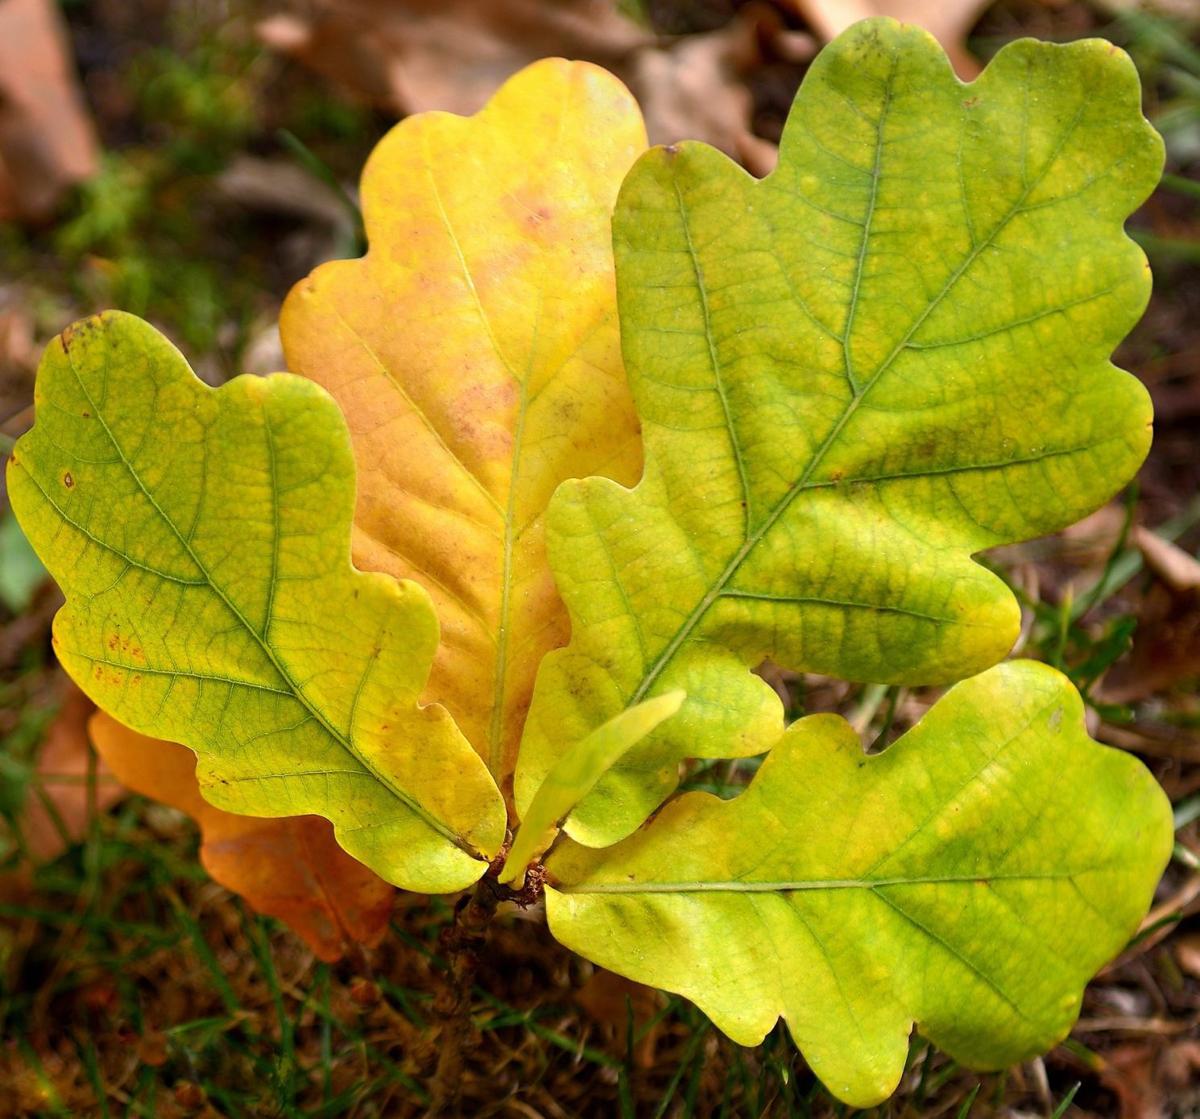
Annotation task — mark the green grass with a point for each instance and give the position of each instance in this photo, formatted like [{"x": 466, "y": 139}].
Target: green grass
[{"x": 260, "y": 1029}]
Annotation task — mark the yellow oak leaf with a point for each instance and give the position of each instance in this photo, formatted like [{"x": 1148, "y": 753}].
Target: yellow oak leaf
[{"x": 474, "y": 351}]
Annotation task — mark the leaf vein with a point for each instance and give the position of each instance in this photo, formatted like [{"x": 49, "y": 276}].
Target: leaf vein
[{"x": 405, "y": 798}]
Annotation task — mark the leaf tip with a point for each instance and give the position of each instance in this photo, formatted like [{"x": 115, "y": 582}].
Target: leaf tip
[{"x": 672, "y": 701}]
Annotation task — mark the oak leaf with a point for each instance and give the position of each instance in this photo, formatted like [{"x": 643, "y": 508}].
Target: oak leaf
[
  {"x": 474, "y": 352},
  {"x": 853, "y": 375},
  {"x": 202, "y": 540},
  {"x": 971, "y": 880}
]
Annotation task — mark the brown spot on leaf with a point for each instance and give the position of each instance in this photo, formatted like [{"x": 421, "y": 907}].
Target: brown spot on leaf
[{"x": 68, "y": 480}]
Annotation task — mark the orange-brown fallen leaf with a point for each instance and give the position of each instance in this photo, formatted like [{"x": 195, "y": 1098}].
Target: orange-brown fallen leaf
[
  {"x": 59, "y": 802},
  {"x": 47, "y": 142},
  {"x": 1152, "y": 1079},
  {"x": 288, "y": 868}
]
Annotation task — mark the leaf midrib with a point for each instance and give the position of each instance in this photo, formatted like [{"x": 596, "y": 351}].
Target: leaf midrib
[
  {"x": 733, "y": 886},
  {"x": 294, "y": 689},
  {"x": 495, "y": 746},
  {"x": 802, "y": 484}
]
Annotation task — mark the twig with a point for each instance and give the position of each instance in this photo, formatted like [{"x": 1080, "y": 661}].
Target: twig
[{"x": 463, "y": 944}]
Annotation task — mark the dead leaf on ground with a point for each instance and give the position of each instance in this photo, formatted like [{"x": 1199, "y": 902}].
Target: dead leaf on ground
[
  {"x": 1129, "y": 1073},
  {"x": 1154, "y": 1079},
  {"x": 47, "y": 142},
  {"x": 289, "y": 868},
  {"x": 948, "y": 21},
  {"x": 1177, "y": 569},
  {"x": 409, "y": 56},
  {"x": 18, "y": 354},
  {"x": 278, "y": 186},
  {"x": 1166, "y": 644},
  {"x": 1166, "y": 648},
  {"x": 1187, "y": 954},
  {"x": 1089, "y": 543},
  {"x": 617, "y": 1003},
  {"x": 1179, "y": 1068},
  {"x": 695, "y": 89},
  {"x": 59, "y": 802}
]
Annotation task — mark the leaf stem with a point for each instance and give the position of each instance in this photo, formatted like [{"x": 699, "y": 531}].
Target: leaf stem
[{"x": 463, "y": 943}]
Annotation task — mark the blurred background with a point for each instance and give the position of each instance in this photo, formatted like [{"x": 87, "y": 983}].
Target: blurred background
[{"x": 189, "y": 160}]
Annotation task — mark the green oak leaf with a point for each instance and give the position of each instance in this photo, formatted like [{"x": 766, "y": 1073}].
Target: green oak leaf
[
  {"x": 202, "y": 540},
  {"x": 970, "y": 879},
  {"x": 853, "y": 375}
]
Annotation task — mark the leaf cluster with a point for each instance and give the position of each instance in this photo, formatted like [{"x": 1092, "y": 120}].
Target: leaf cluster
[{"x": 589, "y": 433}]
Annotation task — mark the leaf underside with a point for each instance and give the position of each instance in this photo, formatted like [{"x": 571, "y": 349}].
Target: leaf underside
[
  {"x": 890, "y": 354},
  {"x": 970, "y": 879},
  {"x": 202, "y": 540},
  {"x": 474, "y": 352}
]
